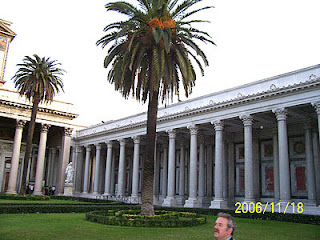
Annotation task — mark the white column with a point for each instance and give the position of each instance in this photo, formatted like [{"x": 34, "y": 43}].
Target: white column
[
  {"x": 156, "y": 175},
  {"x": 209, "y": 170},
  {"x": 113, "y": 173},
  {"x": 231, "y": 169},
  {"x": 135, "y": 172},
  {"x": 97, "y": 170},
  {"x": 15, "y": 157},
  {"x": 86, "y": 171},
  {"x": 54, "y": 170},
  {"x": 164, "y": 170},
  {"x": 180, "y": 198},
  {"x": 218, "y": 202},
  {"x": 248, "y": 155},
  {"x": 121, "y": 168},
  {"x": 311, "y": 184},
  {"x": 192, "y": 200},
  {"x": 107, "y": 185},
  {"x": 317, "y": 107},
  {"x": 201, "y": 191},
  {"x": 40, "y": 159},
  {"x": 170, "y": 200},
  {"x": 316, "y": 150},
  {"x": 65, "y": 156},
  {"x": 284, "y": 170},
  {"x": 78, "y": 164},
  {"x": 276, "y": 179},
  {"x": 316, "y": 159}
]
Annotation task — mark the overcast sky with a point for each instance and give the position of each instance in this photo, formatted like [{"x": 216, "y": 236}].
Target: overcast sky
[{"x": 255, "y": 39}]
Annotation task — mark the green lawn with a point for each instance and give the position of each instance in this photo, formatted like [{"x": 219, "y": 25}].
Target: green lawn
[{"x": 74, "y": 226}]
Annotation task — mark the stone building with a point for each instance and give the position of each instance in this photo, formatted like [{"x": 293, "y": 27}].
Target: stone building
[
  {"x": 52, "y": 137},
  {"x": 258, "y": 141}
]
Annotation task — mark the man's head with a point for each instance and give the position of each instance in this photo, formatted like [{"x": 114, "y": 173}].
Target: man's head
[{"x": 224, "y": 227}]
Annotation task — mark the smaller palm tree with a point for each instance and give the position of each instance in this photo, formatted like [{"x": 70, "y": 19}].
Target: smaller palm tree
[{"x": 38, "y": 79}]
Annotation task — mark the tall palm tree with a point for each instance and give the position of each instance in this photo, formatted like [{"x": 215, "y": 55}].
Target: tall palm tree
[
  {"x": 38, "y": 79},
  {"x": 151, "y": 54}
]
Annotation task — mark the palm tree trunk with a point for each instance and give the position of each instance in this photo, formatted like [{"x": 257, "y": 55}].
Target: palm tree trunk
[
  {"x": 32, "y": 124},
  {"x": 148, "y": 168}
]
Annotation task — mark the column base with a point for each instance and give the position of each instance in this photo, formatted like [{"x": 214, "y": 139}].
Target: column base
[
  {"x": 134, "y": 199},
  {"x": 249, "y": 200},
  {"x": 191, "y": 203},
  {"x": 203, "y": 202},
  {"x": 11, "y": 192},
  {"x": 219, "y": 204},
  {"x": 311, "y": 203},
  {"x": 169, "y": 202},
  {"x": 37, "y": 193},
  {"x": 180, "y": 200},
  {"x": 155, "y": 200}
]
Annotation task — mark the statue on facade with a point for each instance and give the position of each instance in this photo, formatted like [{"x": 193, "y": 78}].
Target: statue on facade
[{"x": 69, "y": 173}]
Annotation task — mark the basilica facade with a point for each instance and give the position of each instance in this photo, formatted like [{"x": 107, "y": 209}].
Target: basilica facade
[{"x": 255, "y": 142}]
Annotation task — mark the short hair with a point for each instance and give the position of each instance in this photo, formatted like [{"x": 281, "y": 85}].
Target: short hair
[{"x": 231, "y": 222}]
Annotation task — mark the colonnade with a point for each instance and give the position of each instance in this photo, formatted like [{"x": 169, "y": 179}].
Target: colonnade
[
  {"x": 197, "y": 158},
  {"x": 56, "y": 166}
]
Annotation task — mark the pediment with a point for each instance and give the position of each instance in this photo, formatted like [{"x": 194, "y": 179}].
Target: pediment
[{"x": 5, "y": 30}]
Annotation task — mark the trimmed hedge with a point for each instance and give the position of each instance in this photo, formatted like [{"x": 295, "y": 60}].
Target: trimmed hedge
[
  {"x": 24, "y": 197},
  {"x": 58, "y": 208},
  {"x": 288, "y": 217},
  {"x": 89, "y": 200},
  {"x": 133, "y": 218}
]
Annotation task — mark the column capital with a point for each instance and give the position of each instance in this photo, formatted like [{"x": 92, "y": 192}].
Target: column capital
[
  {"x": 247, "y": 120},
  {"x": 316, "y": 105},
  {"x": 136, "y": 139},
  {"x": 45, "y": 127},
  {"x": 193, "y": 129},
  {"x": 281, "y": 114},
  {"x": 88, "y": 148},
  {"x": 218, "y": 125},
  {"x": 98, "y": 146},
  {"x": 172, "y": 133},
  {"x": 67, "y": 132},
  {"x": 20, "y": 123},
  {"x": 122, "y": 141},
  {"x": 78, "y": 149},
  {"x": 109, "y": 143}
]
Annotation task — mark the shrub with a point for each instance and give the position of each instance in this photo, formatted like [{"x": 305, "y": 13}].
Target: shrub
[
  {"x": 57, "y": 208},
  {"x": 288, "y": 217},
  {"x": 24, "y": 197},
  {"x": 161, "y": 218}
]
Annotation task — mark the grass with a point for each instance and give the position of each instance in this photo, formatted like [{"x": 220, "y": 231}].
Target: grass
[{"x": 74, "y": 226}]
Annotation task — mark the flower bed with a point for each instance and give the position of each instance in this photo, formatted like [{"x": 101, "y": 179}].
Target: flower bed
[{"x": 161, "y": 218}]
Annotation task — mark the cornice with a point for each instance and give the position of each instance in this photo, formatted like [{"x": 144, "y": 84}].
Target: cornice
[
  {"x": 313, "y": 82},
  {"x": 40, "y": 109}
]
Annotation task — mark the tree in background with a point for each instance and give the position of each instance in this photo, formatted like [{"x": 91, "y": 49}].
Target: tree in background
[
  {"x": 151, "y": 56},
  {"x": 38, "y": 79}
]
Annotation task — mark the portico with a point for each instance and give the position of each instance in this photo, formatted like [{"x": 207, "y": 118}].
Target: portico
[{"x": 249, "y": 143}]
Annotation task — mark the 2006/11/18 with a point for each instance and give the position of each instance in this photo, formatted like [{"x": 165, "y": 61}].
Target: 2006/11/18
[{"x": 252, "y": 207}]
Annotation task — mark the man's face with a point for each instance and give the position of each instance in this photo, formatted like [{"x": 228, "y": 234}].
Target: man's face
[{"x": 221, "y": 230}]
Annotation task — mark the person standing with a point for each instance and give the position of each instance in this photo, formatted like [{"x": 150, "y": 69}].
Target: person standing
[{"x": 224, "y": 227}]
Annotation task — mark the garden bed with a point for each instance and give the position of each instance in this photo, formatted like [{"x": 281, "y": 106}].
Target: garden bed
[{"x": 162, "y": 218}]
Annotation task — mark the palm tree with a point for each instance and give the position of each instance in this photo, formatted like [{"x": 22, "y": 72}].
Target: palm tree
[
  {"x": 151, "y": 55},
  {"x": 38, "y": 79}
]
